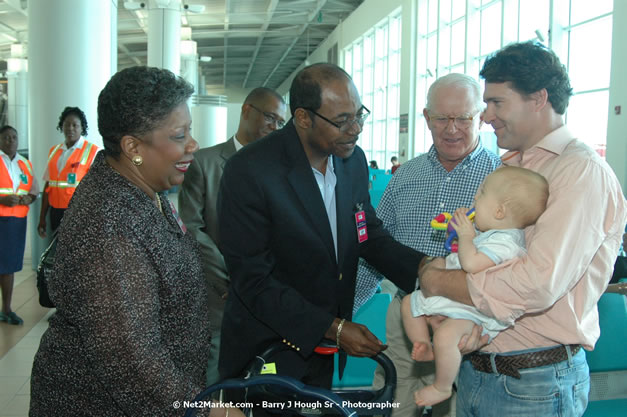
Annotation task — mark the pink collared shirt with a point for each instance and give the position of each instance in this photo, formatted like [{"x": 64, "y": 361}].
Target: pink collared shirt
[{"x": 551, "y": 294}]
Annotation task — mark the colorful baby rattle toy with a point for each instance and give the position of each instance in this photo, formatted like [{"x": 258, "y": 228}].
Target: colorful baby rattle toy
[{"x": 442, "y": 222}]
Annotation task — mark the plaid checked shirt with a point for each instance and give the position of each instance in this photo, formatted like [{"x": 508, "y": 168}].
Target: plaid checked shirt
[{"x": 420, "y": 190}]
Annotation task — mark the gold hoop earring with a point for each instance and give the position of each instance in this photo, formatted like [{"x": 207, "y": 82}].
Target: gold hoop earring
[{"x": 137, "y": 160}]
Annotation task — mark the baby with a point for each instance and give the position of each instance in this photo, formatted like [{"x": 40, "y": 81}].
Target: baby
[{"x": 507, "y": 201}]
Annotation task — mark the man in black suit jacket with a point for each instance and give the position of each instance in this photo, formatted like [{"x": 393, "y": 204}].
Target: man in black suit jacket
[
  {"x": 290, "y": 210},
  {"x": 263, "y": 112}
]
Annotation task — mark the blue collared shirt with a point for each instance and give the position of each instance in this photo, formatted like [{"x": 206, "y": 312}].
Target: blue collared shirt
[{"x": 420, "y": 190}]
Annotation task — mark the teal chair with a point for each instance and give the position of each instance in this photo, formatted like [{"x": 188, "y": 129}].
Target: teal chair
[
  {"x": 374, "y": 172},
  {"x": 380, "y": 181},
  {"x": 359, "y": 372},
  {"x": 608, "y": 360},
  {"x": 375, "y": 197}
]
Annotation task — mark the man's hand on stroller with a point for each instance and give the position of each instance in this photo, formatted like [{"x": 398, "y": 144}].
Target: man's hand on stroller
[{"x": 355, "y": 339}]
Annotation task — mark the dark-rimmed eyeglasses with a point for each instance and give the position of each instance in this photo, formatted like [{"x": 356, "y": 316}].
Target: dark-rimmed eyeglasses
[
  {"x": 345, "y": 125},
  {"x": 270, "y": 118}
]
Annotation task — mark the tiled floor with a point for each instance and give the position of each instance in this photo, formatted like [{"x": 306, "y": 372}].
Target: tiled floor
[{"x": 18, "y": 345}]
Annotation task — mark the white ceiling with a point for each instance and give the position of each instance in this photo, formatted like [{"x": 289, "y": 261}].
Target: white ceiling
[{"x": 251, "y": 42}]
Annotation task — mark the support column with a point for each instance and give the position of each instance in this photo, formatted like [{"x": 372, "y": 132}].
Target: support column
[
  {"x": 209, "y": 124},
  {"x": 164, "y": 34},
  {"x": 17, "y": 74},
  {"x": 18, "y": 105},
  {"x": 189, "y": 59},
  {"x": 69, "y": 61}
]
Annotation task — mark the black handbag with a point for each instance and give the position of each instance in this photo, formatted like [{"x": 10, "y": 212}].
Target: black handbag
[{"x": 44, "y": 270}]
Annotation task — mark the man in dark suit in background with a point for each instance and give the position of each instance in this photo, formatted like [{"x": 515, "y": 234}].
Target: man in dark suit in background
[
  {"x": 294, "y": 217},
  {"x": 262, "y": 113}
]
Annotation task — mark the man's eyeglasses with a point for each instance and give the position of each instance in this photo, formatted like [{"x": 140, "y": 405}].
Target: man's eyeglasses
[
  {"x": 345, "y": 125},
  {"x": 460, "y": 122},
  {"x": 269, "y": 117}
]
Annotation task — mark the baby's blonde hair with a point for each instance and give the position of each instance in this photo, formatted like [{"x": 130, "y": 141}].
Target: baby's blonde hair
[{"x": 523, "y": 192}]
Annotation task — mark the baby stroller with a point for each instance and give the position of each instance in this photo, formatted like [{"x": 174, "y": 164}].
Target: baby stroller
[{"x": 298, "y": 398}]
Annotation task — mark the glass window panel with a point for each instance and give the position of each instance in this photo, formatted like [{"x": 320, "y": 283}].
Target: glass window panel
[
  {"x": 395, "y": 43},
  {"x": 392, "y": 136},
  {"x": 365, "y": 138},
  {"x": 385, "y": 73},
  {"x": 489, "y": 141},
  {"x": 445, "y": 12},
  {"x": 458, "y": 42},
  {"x": 379, "y": 41},
  {"x": 394, "y": 61},
  {"x": 421, "y": 58},
  {"x": 367, "y": 101},
  {"x": 432, "y": 44},
  {"x": 458, "y": 8},
  {"x": 421, "y": 95},
  {"x": 433, "y": 15},
  {"x": 379, "y": 111},
  {"x": 357, "y": 61},
  {"x": 423, "y": 139},
  {"x": 587, "y": 118},
  {"x": 581, "y": 10},
  {"x": 368, "y": 54},
  {"x": 423, "y": 17},
  {"x": 534, "y": 15},
  {"x": 379, "y": 78},
  {"x": 458, "y": 68},
  {"x": 348, "y": 60},
  {"x": 357, "y": 79},
  {"x": 368, "y": 79},
  {"x": 491, "y": 29},
  {"x": 393, "y": 101},
  {"x": 444, "y": 57},
  {"x": 590, "y": 55},
  {"x": 377, "y": 136}
]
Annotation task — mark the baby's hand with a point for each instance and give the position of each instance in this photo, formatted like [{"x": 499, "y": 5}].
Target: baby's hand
[{"x": 463, "y": 226}]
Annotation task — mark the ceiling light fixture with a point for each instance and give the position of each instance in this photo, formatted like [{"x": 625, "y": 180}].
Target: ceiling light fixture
[
  {"x": 194, "y": 8},
  {"x": 134, "y": 5}
]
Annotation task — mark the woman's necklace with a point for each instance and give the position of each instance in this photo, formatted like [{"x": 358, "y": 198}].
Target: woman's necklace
[{"x": 159, "y": 203}]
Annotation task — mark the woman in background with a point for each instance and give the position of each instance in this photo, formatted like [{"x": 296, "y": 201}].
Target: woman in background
[
  {"x": 131, "y": 333},
  {"x": 18, "y": 189},
  {"x": 68, "y": 162}
]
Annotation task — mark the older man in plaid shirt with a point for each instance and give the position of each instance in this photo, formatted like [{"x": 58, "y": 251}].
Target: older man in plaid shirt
[{"x": 441, "y": 180}]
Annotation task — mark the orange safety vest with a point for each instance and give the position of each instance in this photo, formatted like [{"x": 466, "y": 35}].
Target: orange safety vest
[
  {"x": 6, "y": 187},
  {"x": 61, "y": 185}
]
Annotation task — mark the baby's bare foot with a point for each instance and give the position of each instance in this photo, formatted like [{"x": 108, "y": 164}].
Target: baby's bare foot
[
  {"x": 430, "y": 395},
  {"x": 422, "y": 352}
]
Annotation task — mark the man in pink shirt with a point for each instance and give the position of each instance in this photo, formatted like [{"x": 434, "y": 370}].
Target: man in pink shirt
[{"x": 538, "y": 366}]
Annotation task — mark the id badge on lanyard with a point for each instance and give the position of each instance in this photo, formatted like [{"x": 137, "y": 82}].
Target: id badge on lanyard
[{"x": 360, "y": 223}]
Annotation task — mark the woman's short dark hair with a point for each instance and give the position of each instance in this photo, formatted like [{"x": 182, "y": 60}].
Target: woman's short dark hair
[
  {"x": 530, "y": 67},
  {"x": 306, "y": 90},
  {"x": 136, "y": 101},
  {"x": 74, "y": 111},
  {"x": 5, "y": 128}
]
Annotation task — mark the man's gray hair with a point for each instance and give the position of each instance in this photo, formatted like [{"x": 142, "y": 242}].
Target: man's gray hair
[{"x": 458, "y": 80}]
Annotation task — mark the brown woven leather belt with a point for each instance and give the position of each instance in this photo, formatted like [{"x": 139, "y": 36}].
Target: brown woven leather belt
[{"x": 509, "y": 365}]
